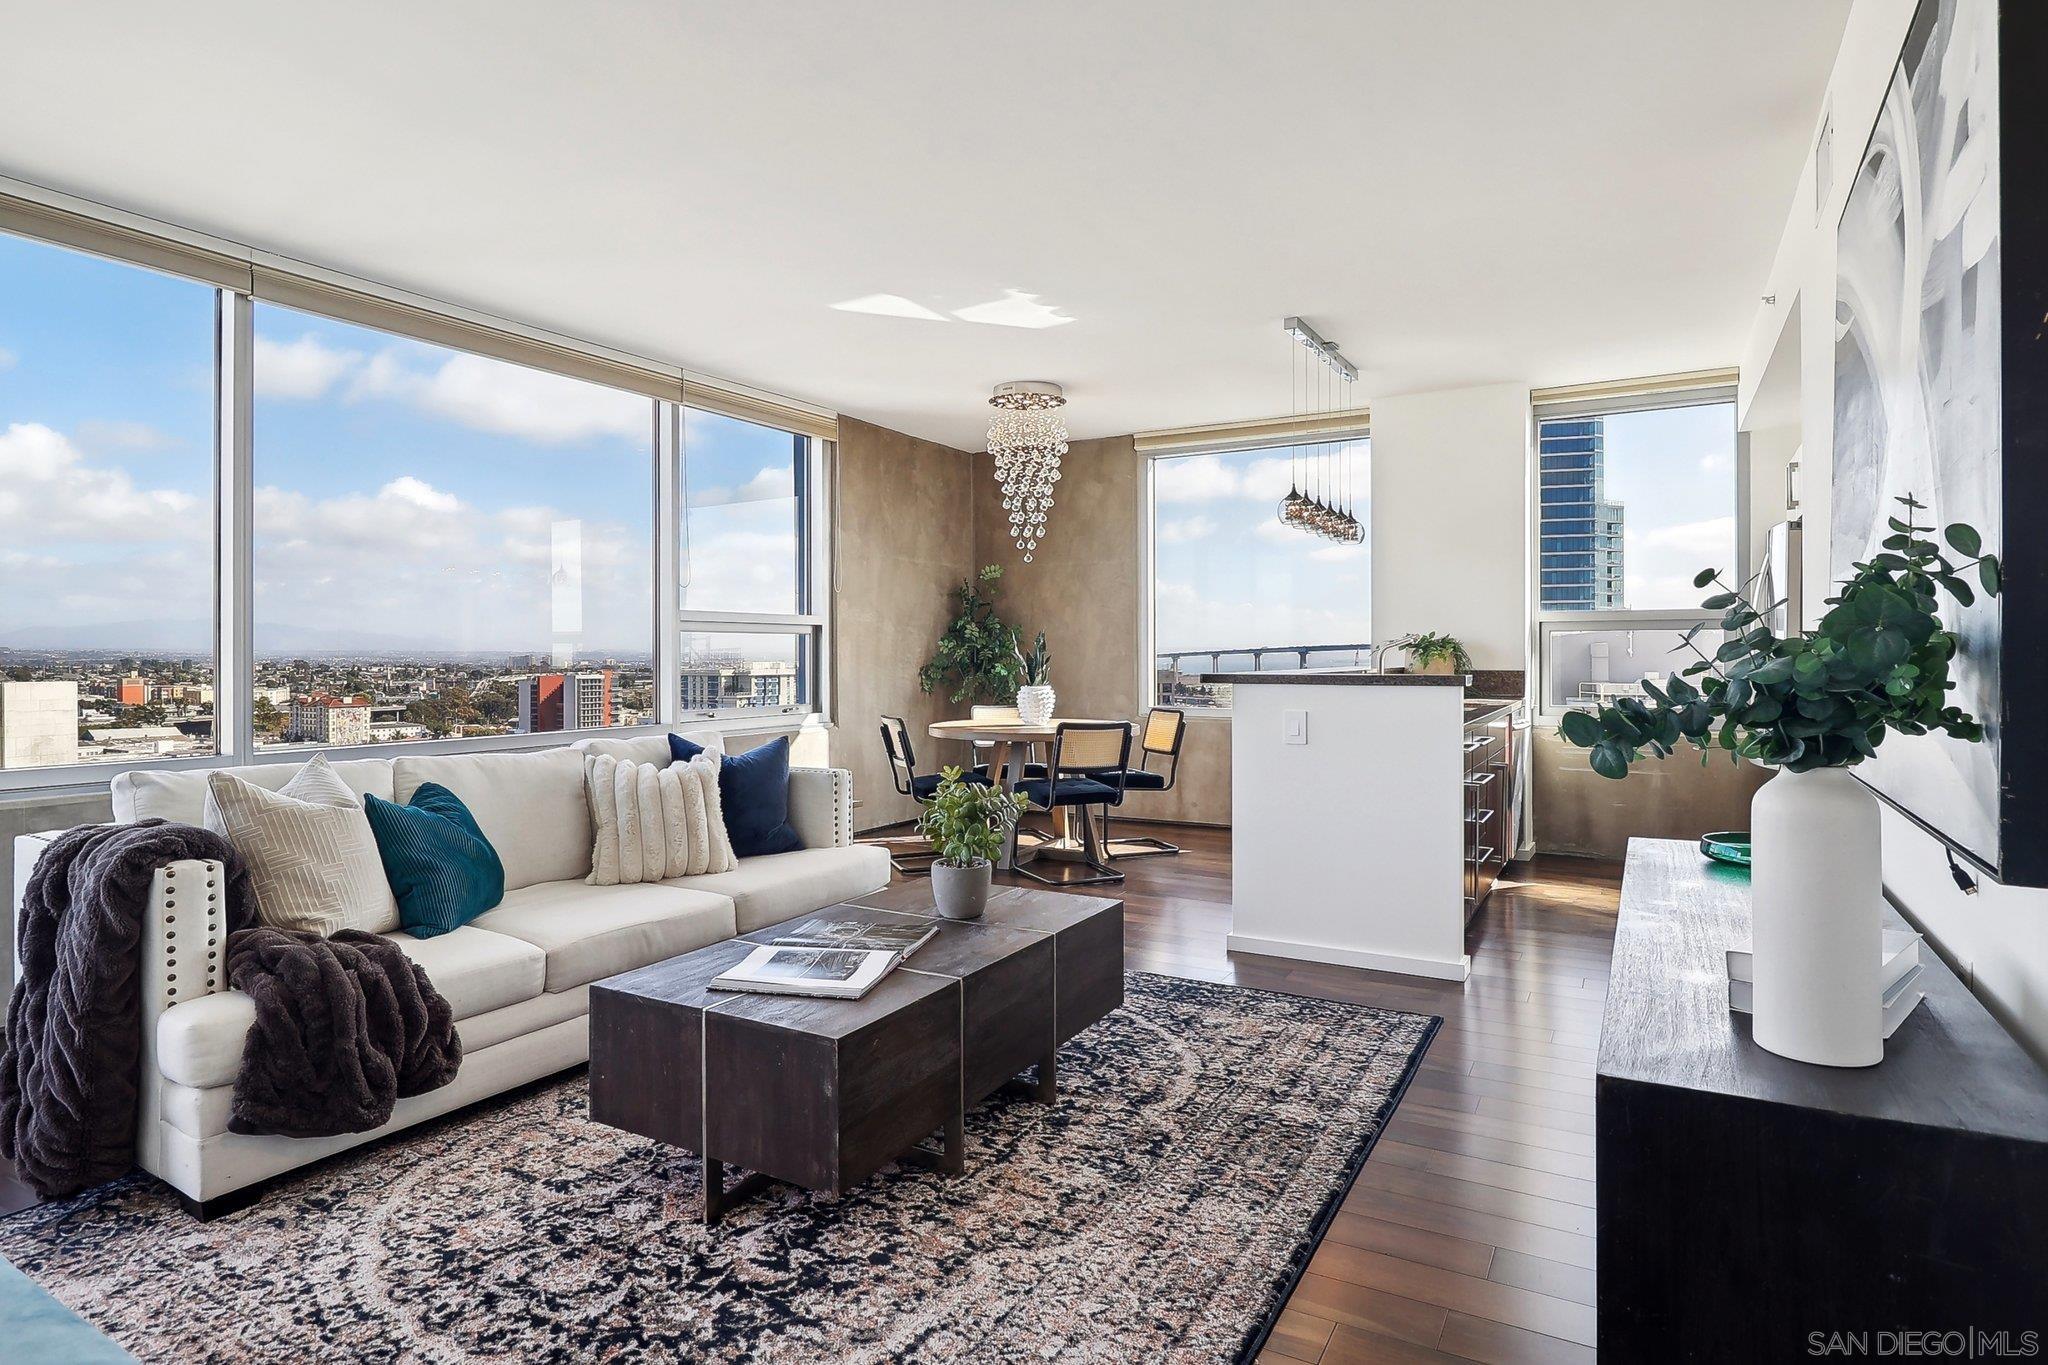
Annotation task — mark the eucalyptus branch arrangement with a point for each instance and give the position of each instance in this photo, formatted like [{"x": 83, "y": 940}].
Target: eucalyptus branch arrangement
[
  {"x": 976, "y": 655},
  {"x": 1822, "y": 699},
  {"x": 1429, "y": 647},
  {"x": 967, "y": 822}
]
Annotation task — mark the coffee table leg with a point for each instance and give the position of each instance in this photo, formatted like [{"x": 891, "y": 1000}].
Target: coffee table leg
[
  {"x": 956, "y": 1144},
  {"x": 714, "y": 1191},
  {"x": 1048, "y": 1088}
]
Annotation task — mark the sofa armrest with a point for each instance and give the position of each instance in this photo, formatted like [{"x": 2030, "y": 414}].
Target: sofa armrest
[
  {"x": 184, "y": 937},
  {"x": 821, "y": 806}
]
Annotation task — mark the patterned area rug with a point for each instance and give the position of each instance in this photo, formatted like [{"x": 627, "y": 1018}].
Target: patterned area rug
[{"x": 1160, "y": 1211}]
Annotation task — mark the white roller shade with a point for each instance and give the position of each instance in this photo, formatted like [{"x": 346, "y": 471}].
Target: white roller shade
[{"x": 1271, "y": 431}]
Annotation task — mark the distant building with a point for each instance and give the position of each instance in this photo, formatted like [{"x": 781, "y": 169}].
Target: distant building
[
  {"x": 133, "y": 691},
  {"x": 1581, "y": 528},
  {"x": 565, "y": 701},
  {"x": 332, "y": 721},
  {"x": 38, "y": 724},
  {"x": 714, "y": 687}
]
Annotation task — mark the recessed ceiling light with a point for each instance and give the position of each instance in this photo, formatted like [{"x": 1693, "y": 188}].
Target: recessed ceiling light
[
  {"x": 890, "y": 306},
  {"x": 1015, "y": 309}
]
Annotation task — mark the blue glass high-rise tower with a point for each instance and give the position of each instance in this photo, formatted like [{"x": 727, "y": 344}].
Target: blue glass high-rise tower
[{"x": 1579, "y": 533}]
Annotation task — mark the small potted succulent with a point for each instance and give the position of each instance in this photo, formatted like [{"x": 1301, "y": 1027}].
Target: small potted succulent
[
  {"x": 967, "y": 823},
  {"x": 1433, "y": 653},
  {"x": 1035, "y": 697},
  {"x": 1813, "y": 706}
]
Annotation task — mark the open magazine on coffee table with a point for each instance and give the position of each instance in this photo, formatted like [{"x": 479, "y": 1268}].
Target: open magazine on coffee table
[{"x": 839, "y": 959}]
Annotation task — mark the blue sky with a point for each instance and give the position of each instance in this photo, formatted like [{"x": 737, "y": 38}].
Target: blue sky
[
  {"x": 405, "y": 492},
  {"x": 1673, "y": 469}
]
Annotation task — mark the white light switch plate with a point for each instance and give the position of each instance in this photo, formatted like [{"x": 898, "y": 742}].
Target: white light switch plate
[{"x": 1294, "y": 727}]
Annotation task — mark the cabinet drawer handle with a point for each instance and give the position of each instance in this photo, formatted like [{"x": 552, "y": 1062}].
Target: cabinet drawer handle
[
  {"x": 1479, "y": 742},
  {"x": 1479, "y": 817},
  {"x": 1478, "y": 780}
]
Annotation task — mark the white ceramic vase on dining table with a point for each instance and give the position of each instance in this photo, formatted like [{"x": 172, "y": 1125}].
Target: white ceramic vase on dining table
[{"x": 1034, "y": 704}]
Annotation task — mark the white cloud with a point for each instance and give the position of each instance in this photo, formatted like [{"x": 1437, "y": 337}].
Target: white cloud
[
  {"x": 1185, "y": 529},
  {"x": 512, "y": 400},
  {"x": 305, "y": 369},
  {"x": 1701, "y": 539},
  {"x": 768, "y": 485},
  {"x": 1716, "y": 461},
  {"x": 49, "y": 493},
  {"x": 420, "y": 493},
  {"x": 7, "y": 358},
  {"x": 1208, "y": 478}
]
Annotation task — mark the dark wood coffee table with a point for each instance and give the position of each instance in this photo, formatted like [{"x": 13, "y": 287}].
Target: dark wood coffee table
[{"x": 824, "y": 1093}]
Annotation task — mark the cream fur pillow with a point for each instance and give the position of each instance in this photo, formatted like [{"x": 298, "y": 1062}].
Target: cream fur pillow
[{"x": 652, "y": 823}]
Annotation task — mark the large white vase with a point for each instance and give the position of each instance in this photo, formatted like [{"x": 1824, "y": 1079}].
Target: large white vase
[{"x": 1818, "y": 937}]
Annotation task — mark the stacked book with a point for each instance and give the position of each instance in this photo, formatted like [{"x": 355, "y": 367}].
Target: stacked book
[
  {"x": 840, "y": 959},
  {"x": 1898, "y": 981}
]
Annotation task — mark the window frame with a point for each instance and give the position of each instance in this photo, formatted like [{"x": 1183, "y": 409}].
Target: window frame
[
  {"x": 1547, "y": 623},
  {"x": 232, "y": 272}
]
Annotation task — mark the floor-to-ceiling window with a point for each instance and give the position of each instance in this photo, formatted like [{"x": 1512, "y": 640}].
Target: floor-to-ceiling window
[
  {"x": 1235, "y": 587},
  {"x": 1635, "y": 495},
  {"x": 106, "y": 510},
  {"x": 446, "y": 544}
]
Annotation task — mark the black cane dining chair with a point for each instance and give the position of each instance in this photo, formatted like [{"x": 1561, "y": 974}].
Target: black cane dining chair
[
  {"x": 903, "y": 774},
  {"x": 1085, "y": 769},
  {"x": 1166, "y": 727}
]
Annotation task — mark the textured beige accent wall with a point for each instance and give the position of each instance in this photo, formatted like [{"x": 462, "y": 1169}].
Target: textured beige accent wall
[
  {"x": 1083, "y": 589},
  {"x": 1575, "y": 810},
  {"x": 906, "y": 536}
]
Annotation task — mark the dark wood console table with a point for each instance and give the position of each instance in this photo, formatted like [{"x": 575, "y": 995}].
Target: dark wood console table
[{"x": 1747, "y": 1202}]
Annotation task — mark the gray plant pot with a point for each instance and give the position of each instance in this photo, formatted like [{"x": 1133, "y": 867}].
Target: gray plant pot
[{"x": 962, "y": 892}]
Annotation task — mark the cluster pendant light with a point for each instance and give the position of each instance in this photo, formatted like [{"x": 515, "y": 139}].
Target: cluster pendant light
[
  {"x": 1321, "y": 490},
  {"x": 1027, "y": 438}
]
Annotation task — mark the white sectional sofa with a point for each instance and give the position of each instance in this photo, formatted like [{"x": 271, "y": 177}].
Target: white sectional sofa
[{"x": 517, "y": 977}]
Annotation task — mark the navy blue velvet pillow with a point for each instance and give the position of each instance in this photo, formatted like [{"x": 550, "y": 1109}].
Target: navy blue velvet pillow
[
  {"x": 442, "y": 870},
  {"x": 753, "y": 787}
]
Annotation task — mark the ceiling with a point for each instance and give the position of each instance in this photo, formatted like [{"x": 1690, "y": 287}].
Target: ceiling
[{"x": 1490, "y": 191}]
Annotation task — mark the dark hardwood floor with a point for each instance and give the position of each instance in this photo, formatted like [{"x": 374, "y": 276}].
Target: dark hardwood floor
[{"x": 1469, "y": 1234}]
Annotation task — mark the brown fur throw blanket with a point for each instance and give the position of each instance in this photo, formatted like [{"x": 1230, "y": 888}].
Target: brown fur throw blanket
[
  {"x": 69, "y": 1074},
  {"x": 345, "y": 1027}
]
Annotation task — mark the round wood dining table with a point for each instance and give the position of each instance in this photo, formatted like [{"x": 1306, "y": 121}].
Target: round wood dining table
[{"x": 1012, "y": 742}]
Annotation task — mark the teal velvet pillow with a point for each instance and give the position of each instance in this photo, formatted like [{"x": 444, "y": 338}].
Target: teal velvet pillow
[{"x": 442, "y": 870}]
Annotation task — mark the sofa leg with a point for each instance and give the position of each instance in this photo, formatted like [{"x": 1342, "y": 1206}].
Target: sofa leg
[{"x": 234, "y": 1201}]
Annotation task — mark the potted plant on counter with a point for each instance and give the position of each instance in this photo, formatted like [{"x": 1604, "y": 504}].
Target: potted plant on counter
[
  {"x": 1813, "y": 706},
  {"x": 1035, "y": 697},
  {"x": 1433, "y": 653},
  {"x": 967, "y": 823}
]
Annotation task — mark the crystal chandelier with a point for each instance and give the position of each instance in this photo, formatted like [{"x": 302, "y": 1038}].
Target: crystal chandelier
[
  {"x": 1322, "y": 475},
  {"x": 1027, "y": 438}
]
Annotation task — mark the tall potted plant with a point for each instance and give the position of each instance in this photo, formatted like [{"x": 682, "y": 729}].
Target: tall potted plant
[
  {"x": 1035, "y": 697},
  {"x": 967, "y": 824},
  {"x": 1813, "y": 706},
  {"x": 976, "y": 656}
]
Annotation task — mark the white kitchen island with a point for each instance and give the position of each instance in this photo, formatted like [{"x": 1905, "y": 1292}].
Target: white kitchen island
[{"x": 1353, "y": 810}]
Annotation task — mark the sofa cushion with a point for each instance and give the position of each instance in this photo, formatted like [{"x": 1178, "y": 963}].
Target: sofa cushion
[
  {"x": 312, "y": 859},
  {"x": 181, "y": 796},
  {"x": 778, "y": 886},
  {"x": 442, "y": 870},
  {"x": 200, "y": 1041},
  {"x": 753, "y": 789},
  {"x": 649, "y": 748},
  {"x": 529, "y": 805},
  {"x": 590, "y": 932}
]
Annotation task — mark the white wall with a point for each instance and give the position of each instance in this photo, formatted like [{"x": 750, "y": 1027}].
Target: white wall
[
  {"x": 1998, "y": 940},
  {"x": 1450, "y": 519}
]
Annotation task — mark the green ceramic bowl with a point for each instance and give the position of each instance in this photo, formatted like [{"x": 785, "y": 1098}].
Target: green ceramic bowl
[{"x": 1728, "y": 846}]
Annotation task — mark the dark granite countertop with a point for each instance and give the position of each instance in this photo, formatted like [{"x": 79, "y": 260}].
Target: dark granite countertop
[{"x": 1341, "y": 677}]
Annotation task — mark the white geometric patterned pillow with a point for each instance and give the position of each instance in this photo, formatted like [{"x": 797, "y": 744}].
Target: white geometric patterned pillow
[{"x": 313, "y": 862}]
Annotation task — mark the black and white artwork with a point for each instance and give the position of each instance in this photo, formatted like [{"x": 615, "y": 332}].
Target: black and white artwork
[{"x": 1918, "y": 396}]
